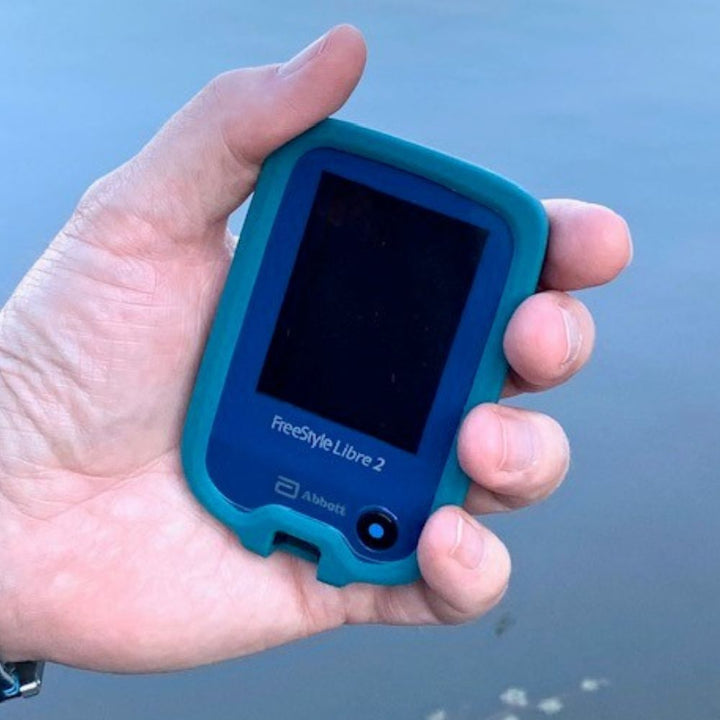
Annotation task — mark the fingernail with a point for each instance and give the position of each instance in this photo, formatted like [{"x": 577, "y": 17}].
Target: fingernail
[
  {"x": 573, "y": 336},
  {"x": 519, "y": 444},
  {"x": 631, "y": 249},
  {"x": 469, "y": 546},
  {"x": 303, "y": 57}
]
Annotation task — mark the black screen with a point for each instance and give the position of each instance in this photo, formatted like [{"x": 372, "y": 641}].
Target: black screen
[{"x": 371, "y": 309}]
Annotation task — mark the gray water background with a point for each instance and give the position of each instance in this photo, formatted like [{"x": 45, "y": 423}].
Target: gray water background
[{"x": 618, "y": 576}]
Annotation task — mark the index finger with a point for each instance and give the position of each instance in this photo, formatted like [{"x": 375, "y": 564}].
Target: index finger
[{"x": 588, "y": 245}]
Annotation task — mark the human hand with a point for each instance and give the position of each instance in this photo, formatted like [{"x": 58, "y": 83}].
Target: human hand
[{"x": 108, "y": 561}]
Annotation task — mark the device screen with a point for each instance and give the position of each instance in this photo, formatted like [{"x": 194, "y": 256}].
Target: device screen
[{"x": 371, "y": 310}]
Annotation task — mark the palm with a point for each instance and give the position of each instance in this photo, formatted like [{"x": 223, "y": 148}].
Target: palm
[{"x": 123, "y": 335}]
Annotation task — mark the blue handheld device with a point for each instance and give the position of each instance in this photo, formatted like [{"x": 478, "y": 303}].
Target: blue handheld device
[{"x": 363, "y": 316}]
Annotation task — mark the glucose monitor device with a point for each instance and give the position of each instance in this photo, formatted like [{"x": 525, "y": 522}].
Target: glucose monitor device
[{"x": 363, "y": 316}]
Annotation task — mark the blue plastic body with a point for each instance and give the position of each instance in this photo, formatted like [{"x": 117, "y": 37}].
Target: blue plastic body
[
  {"x": 237, "y": 481},
  {"x": 248, "y": 427}
]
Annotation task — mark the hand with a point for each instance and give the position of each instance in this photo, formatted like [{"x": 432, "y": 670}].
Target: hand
[{"x": 108, "y": 561}]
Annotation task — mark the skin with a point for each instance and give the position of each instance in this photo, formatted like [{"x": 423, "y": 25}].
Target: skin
[{"x": 108, "y": 561}]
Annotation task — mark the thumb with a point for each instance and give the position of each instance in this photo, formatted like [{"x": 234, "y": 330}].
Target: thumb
[{"x": 204, "y": 162}]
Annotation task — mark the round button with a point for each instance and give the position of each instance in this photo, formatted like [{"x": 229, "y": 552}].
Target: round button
[{"x": 377, "y": 529}]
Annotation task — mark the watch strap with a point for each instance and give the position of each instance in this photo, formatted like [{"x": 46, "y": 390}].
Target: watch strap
[{"x": 20, "y": 679}]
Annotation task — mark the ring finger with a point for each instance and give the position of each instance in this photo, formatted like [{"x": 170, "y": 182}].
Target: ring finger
[{"x": 514, "y": 457}]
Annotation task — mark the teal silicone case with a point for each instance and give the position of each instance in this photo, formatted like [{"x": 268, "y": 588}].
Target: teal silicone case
[{"x": 258, "y": 529}]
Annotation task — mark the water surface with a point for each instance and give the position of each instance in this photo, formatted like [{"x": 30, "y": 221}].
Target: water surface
[{"x": 618, "y": 576}]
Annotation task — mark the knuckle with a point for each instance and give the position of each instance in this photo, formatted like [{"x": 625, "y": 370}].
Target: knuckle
[
  {"x": 224, "y": 90},
  {"x": 247, "y": 114}
]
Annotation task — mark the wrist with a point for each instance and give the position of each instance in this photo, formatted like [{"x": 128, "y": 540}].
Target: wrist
[
  {"x": 21, "y": 590},
  {"x": 18, "y": 529},
  {"x": 23, "y": 679},
  {"x": 10, "y": 580}
]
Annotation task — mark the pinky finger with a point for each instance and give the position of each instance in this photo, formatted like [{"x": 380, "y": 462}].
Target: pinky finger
[
  {"x": 465, "y": 571},
  {"x": 466, "y": 568}
]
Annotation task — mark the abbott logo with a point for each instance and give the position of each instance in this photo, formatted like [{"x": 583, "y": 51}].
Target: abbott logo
[{"x": 286, "y": 487}]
